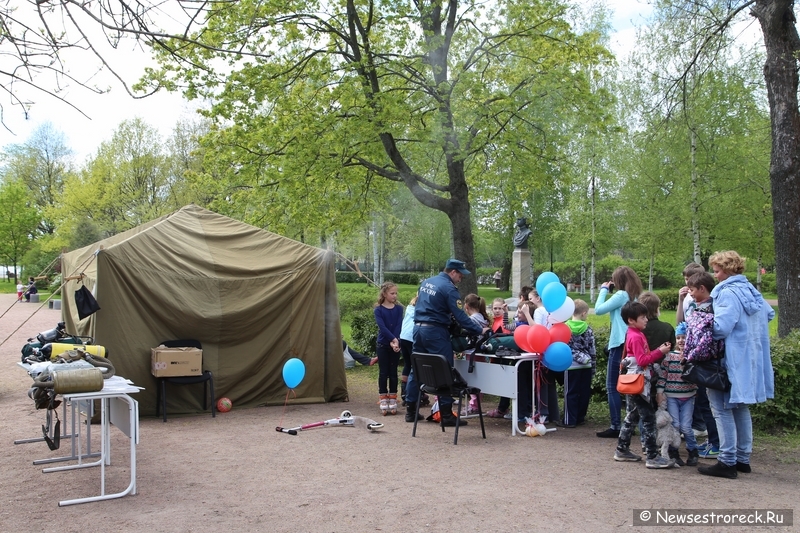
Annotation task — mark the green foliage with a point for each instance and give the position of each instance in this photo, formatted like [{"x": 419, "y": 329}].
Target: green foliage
[
  {"x": 18, "y": 221},
  {"x": 354, "y": 299},
  {"x": 767, "y": 282},
  {"x": 784, "y": 410},
  {"x": 666, "y": 272},
  {"x": 601, "y": 334},
  {"x": 347, "y": 276},
  {"x": 38, "y": 261},
  {"x": 364, "y": 332},
  {"x": 669, "y": 299}
]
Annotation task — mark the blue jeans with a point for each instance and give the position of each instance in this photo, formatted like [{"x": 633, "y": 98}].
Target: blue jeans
[
  {"x": 612, "y": 373},
  {"x": 735, "y": 428},
  {"x": 701, "y": 406},
  {"x": 681, "y": 410}
]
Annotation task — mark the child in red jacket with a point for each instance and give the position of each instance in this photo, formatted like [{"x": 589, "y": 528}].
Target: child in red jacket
[{"x": 639, "y": 360}]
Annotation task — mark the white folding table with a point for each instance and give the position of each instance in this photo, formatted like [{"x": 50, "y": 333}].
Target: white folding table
[
  {"x": 116, "y": 408},
  {"x": 499, "y": 379}
]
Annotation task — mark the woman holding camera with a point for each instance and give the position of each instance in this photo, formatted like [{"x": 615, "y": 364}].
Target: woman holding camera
[{"x": 628, "y": 288}]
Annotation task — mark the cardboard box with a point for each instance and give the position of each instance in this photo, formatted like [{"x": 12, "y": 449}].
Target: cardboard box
[{"x": 171, "y": 362}]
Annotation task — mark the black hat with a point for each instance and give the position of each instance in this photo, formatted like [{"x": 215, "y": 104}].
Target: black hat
[{"x": 455, "y": 264}]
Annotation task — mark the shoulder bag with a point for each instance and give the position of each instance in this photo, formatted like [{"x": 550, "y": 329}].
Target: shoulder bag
[
  {"x": 630, "y": 383},
  {"x": 710, "y": 374}
]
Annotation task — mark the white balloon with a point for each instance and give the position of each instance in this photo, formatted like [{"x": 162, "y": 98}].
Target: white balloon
[{"x": 564, "y": 312}]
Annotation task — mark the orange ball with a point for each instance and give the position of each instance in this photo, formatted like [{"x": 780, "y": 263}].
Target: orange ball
[{"x": 224, "y": 405}]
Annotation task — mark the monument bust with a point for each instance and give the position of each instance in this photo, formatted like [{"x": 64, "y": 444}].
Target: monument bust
[{"x": 522, "y": 233}]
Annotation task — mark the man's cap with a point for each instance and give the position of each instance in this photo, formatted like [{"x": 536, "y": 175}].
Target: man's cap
[{"x": 455, "y": 264}]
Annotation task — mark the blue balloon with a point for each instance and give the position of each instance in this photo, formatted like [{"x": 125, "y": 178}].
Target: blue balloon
[
  {"x": 545, "y": 279},
  {"x": 558, "y": 357},
  {"x": 553, "y": 296},
  {"x": 293, "y": 372}
]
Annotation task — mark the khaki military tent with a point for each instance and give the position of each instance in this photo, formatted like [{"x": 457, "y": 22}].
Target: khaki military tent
[{"x": 254, "y": 299}]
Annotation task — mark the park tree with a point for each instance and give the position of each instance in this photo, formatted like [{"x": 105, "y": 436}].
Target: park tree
[
  {"x": 709, "y": 26},
  {"x": 19, "y": 217},
  {"x": 42, "y": 163},
  {"x": 326, "y": 104},
  {"x": 126, "y": 183}
]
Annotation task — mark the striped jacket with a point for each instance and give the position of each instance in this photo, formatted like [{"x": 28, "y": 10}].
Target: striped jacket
[{"x": 669, "y": 378}]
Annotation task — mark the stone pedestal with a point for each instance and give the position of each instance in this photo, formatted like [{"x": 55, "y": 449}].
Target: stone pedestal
[{"x": 520, "y": 270}]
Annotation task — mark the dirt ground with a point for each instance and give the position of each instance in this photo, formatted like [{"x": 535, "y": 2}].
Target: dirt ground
[{"x": 236, "y": 473}]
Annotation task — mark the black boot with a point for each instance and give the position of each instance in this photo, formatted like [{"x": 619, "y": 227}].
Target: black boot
[
  {"x": 411, "y": 410},
  {"x": 693, "y": 457},
  {"x": 449, "y": 420},
  {"x": 675, "y": 454},
  {"x": 719, "y": 469}
]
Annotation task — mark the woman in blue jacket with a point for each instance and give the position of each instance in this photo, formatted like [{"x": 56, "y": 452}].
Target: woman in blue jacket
[
  {"x": 628, "y": 288},
  {"x": 741, "y": 317}
]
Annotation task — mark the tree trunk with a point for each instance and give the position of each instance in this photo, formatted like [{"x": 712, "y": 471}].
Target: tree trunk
[
  {"x": 506, "y": 279},
  {"x": 694, "y": 203},
  {"x": 375, "y": 258},
  {"x": 780, "y": 73},
  {"x": 462, "y": 240}
]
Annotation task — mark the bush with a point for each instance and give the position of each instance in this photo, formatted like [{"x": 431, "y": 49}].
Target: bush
[
  {"x": 666, "y": 273},
  {"x": 768, "y": 284},
  {"x": 354, "y": 299},
  {"x": 347, "y": 276},
  {"x": 784, "y": 409},
  {"x": 599, "y": 379},
  {"x": 364, "y": 332},
  {"x": 669, "y": 299},
  {"x": 401, "y": 278}
]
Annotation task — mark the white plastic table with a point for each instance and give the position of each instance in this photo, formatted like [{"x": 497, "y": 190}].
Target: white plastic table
[
  {"x": 116, "y": 408},
  {"x": 500, "y": 380}
]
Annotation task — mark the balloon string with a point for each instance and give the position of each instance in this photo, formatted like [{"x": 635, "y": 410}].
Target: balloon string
[
  {"x": 539, "y": 381},
  {"x": 285, "y": 403}
]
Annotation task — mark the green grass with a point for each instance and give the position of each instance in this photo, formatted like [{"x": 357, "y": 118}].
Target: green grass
[{"x": 785, "y": 445}]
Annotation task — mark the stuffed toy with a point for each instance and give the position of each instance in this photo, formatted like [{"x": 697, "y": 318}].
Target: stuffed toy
[{"x": 666, "y": 434}]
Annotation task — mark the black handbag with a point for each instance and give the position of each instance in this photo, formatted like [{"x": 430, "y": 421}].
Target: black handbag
[
  {"x": 710, "y": 374},
  {"x": 85, "y": 303}
]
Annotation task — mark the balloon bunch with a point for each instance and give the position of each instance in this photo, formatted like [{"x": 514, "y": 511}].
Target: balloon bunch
[{"x": 551, "y": 343}]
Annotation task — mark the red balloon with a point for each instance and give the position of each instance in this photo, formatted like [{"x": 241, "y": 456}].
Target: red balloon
[
  {"x": 538, "y": 338},
  {"x": 560, "y": 333},
  {"x": 521, "y": 337}
]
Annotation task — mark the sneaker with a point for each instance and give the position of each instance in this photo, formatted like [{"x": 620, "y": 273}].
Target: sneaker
[
  {"x": 659, "y": 462},
  {"x": 710, "y": 452},
  {"x": 507, "y": 416},
  {"x": 719, "y": 469},
  {"x": 626, "y": 455},
  {"x": 496, "y": 413},
  {"x": 743, "y": 467},
  {"x": 702, "y": 447},
  {"x": 609, "y": 433},
  {"x": 700, "y": 434}
]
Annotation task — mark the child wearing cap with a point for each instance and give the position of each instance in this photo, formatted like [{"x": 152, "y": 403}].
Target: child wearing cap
[{"x": 679, "y": 397}]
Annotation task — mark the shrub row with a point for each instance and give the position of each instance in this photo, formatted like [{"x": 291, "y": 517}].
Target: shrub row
[{"x": 401, "y": 278}]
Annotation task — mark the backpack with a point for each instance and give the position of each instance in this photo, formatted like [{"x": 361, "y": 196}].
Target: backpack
[{"x": 700, "y": 344}]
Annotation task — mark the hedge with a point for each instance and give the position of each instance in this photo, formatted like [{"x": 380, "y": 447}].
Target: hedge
[{"x": 401, "y": 278}]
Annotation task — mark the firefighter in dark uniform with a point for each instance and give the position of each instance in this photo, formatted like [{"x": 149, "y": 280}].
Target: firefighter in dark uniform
[{"x": 439, "y": 299}]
